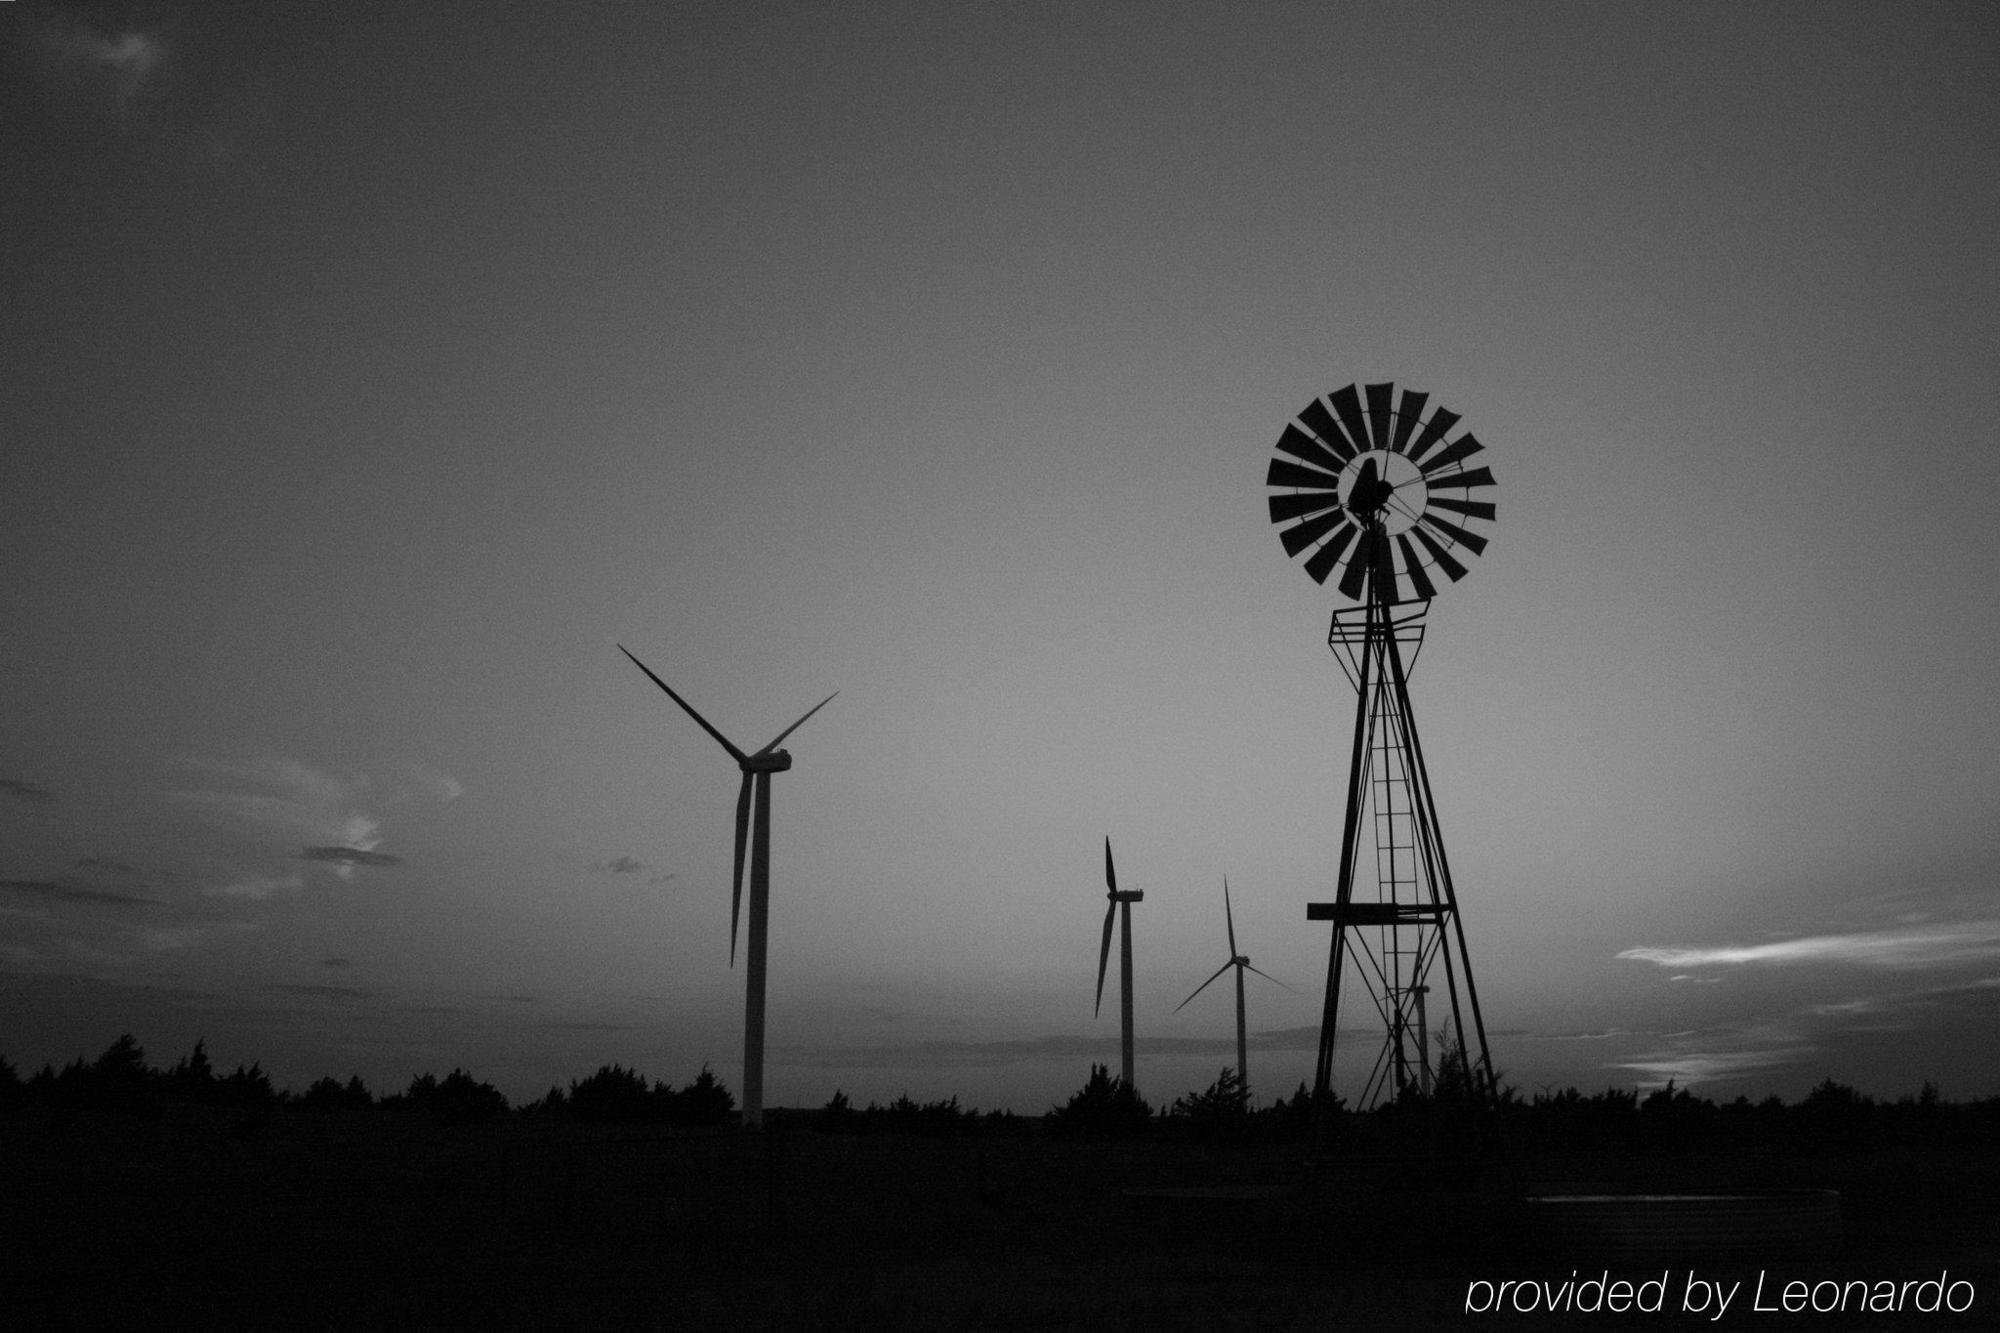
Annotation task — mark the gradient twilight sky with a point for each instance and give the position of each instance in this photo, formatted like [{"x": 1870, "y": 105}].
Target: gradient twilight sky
[{"x": 368, "y": 371}]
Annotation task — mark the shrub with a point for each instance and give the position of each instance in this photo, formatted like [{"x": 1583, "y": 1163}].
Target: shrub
[
  {"x": 1103, "y": 1106},
  {"x": 703, "y": 1102}
]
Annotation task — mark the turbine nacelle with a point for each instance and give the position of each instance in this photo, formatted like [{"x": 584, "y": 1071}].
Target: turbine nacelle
[
  {"x": 776, "y": 761},
  {"x": 1127, "y": 896}
]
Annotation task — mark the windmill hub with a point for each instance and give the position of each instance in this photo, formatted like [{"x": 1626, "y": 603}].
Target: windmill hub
[
  {"x": 1127, "y": 896},
  {"x": 777, "y": 761},
  {"x": 1386, "y": 488}
]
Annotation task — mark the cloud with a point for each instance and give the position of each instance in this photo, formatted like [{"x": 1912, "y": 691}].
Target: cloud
[
  {"x": 292, "y": 800},
  {"x": 328, "y": 992},
  {"x": 441, "y": 785},
  {"x": 183, "y": 937},
  {"x": 1686, "y": 1068},
  {"x": 64, "y": 891},
  {"x": 256, "y": 888},
  {"x": 349, "y": 856},
  {"x": 108, "y": 867},
  {"x": 1908, "y": 947},
  {"x": 281, "y": 795},
  {"x": 109, "y": 66},
  {"x": 25, "y": 791}
]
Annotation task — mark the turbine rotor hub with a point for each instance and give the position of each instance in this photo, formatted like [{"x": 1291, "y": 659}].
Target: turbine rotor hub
[{"x": 777, "y": 761}]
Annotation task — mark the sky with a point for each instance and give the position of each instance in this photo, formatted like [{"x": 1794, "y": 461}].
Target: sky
[{"x": 370, "y": 372}]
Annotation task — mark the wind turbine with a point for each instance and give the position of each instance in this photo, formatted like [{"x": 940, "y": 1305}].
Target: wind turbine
[
  {"x": 757, "y": 768},
  {"x": 1240, "y": 963},
  {"x": 1118, "y": 900}
]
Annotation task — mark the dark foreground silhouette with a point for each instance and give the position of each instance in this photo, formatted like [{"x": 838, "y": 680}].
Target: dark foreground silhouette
[{"x": 131, "y": 1196}]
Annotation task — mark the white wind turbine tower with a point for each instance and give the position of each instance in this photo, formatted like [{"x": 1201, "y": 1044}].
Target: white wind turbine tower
[
  {"x": 1241, "y": 964},
  {"x": 757, "y": 768},
  {"x": 1118, "y": 900}
]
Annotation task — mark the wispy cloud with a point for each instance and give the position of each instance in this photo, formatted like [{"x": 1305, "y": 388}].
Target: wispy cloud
[
  {"x": 301, "y": 804},
  {"x": 632, "y": 865},
  {"x": 255, "y": 888},
  {"x": 1688, "y": 1068},
  {"x": 66, "y": 891},
  {"x": 327, "y": 992},
  {"x": 169, "y": 938},
  {"x": 25, "y": 791},
  {"x": 349, "y": 856},
  {"x": 115, "y": 64},
  {"x": 1928, "y": 945},
  {"x": 107, "y": 867},
  {"x": 440, "y": 785}
]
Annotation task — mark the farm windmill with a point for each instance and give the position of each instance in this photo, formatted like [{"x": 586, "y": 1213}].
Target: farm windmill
[
  {"x": 1365, "y": 494},
  {"x": 757, "y": 770},
  {"x": 1241, "y": 964},
  {"x": 1118, "y": 900}
]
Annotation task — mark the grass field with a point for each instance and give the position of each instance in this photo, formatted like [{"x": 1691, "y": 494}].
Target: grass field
[{"x": 202, "y": 1215}]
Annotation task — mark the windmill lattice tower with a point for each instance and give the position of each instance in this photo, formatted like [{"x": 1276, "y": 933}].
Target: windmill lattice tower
[{"x": 1376, "y": 492}]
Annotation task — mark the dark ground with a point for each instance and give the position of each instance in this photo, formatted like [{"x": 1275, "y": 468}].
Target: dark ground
[{"x": 205, "y": 1216}]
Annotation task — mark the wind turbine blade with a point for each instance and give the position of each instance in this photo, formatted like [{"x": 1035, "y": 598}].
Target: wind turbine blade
[
  {"x": 1229, "y": 916},
  {"x": 1110, "y": 879},
  {"x": 686, "y": 707},
  {"x": 1204, "y": 985},
  {"x": 1104, "y": 956},
  {"x": 1266, "y": 975},
  {"x": 796, "y": 725},
  {"x": 736, "y": 880}
]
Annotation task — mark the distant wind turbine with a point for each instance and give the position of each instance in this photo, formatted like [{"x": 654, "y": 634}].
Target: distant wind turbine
[
  {"x": 758, "y": 767},
  {"x": 1118, "y": 900},
  {"x": 1240, "y": 963}
]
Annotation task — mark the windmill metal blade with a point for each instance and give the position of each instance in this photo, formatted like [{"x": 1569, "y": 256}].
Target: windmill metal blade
[
  {"x": 1285, "y": 507},
  {"x": 1326, "y": 557},
  {"x": 1414, "y": 568},
  {"x": 1466, "y": 446},
  {"x": 736, "y": 880},
  {"x": 1305, "y": 534},
  {"x": 1357, "y": 568},
  {"x": 1321, "y": 423},
  {"x": 796, "y": 725},
  {"x": 1282, "y": 473},
  {"x": 1407, "y": 416},
  {"x": 1266, "y": 975},
  {"x": 1308, "y": 450},
  {"x": 1381, "y": 398},
  {"x": 1229, "y": 916},
  {"x": 1439, "y": 556},
  {"x": 1479, "y": 476},
  {"x": 1110, "y": 876},
  {"x": 1104, "y": 956},
  {"x": 1471, "y": 541},
  {"x": 1434, "y": 430},
  {"x": 1204, "y": 985},
  {"x": 1348, "y": 403},
  {"x": 1470, "y": 508},
  {"x": 687, "y": 707}
]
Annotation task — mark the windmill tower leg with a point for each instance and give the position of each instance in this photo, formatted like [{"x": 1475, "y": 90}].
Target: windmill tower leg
[
  {"x": 760, "y": 915},
  {"x": 1125, "y": 990},
  {"x": 1344, "y": 893},
  {"x": 1242, "y": 1045}
]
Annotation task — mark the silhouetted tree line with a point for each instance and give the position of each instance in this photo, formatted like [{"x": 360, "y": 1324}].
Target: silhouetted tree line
[
  {"x": 905, "y": 1116},
  {"x": 120, "y": 1081},
  {"x": 617, "y": 1095},
  {"x": 1831, "y": 1116}
]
